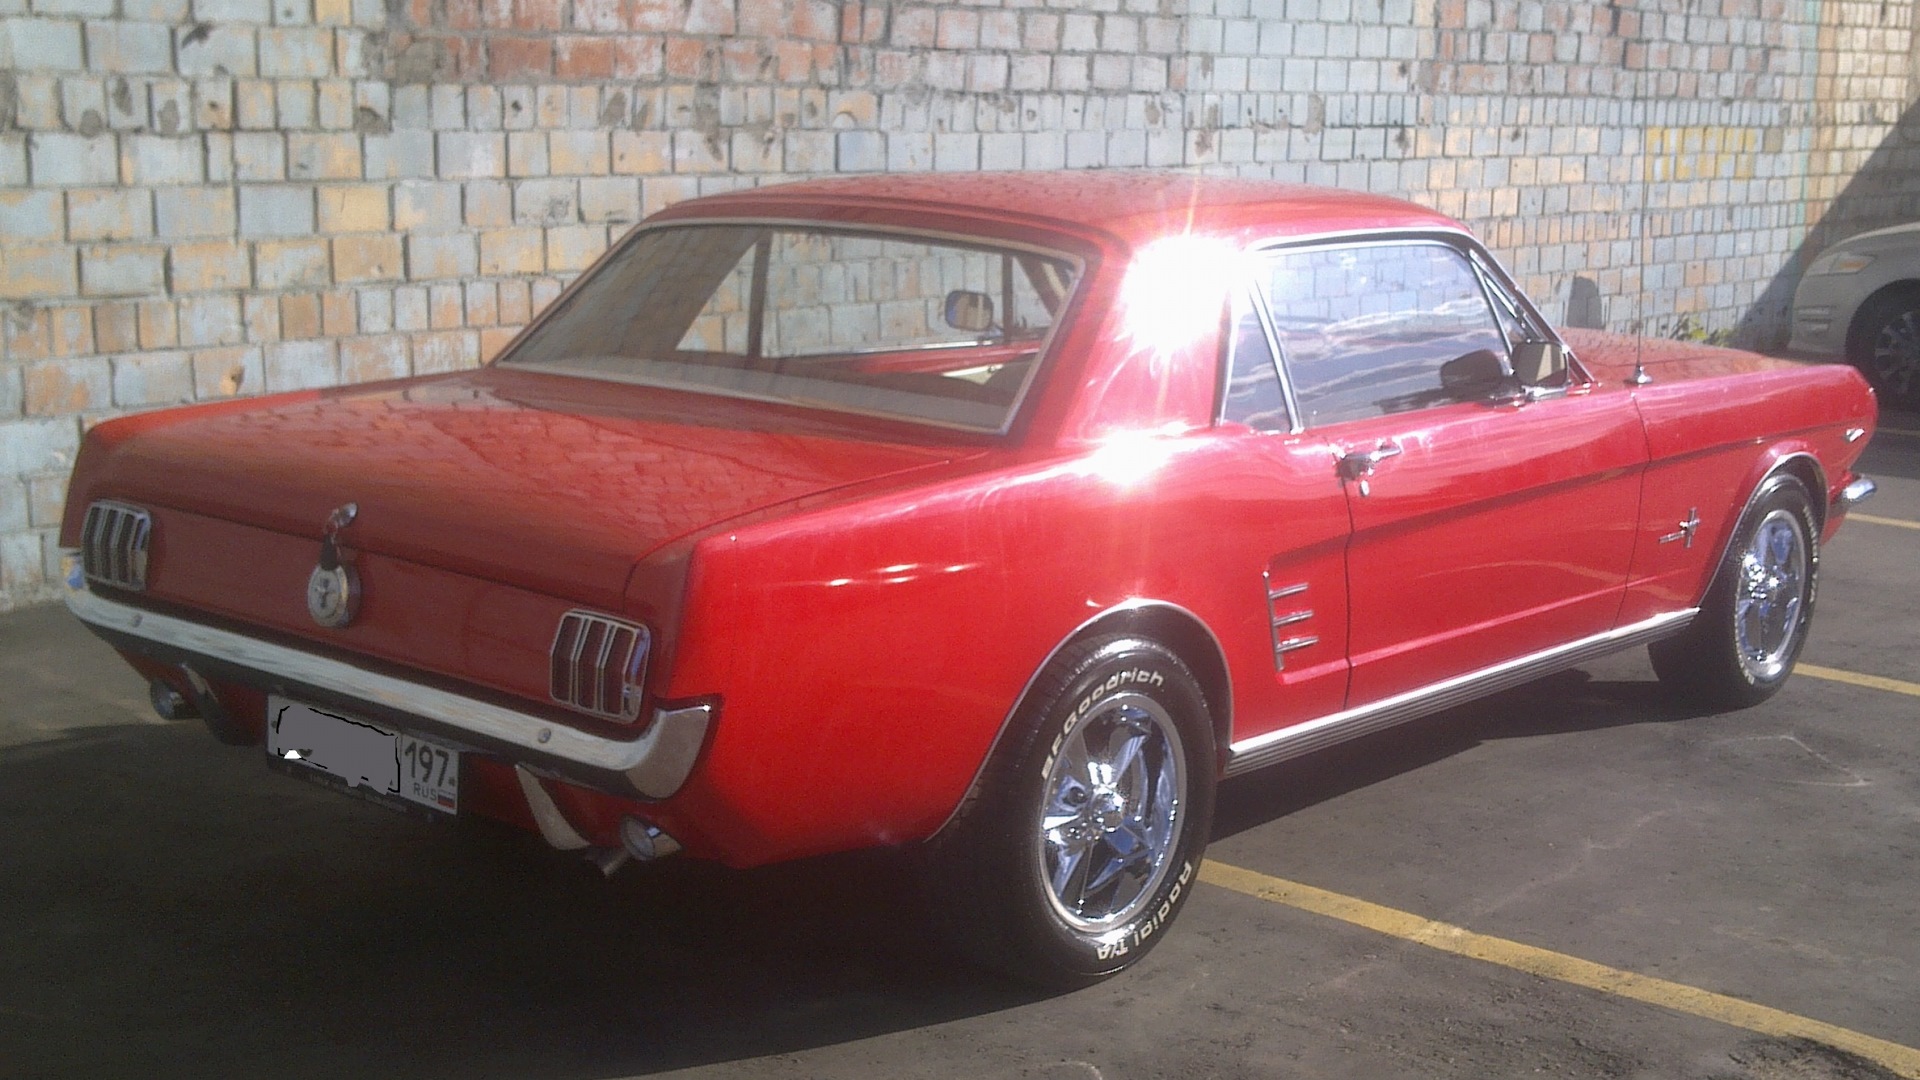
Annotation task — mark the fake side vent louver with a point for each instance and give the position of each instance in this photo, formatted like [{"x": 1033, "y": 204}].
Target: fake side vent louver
[
  {"x": 600, "y": 665},
  {"x": 113, "y": 545}
]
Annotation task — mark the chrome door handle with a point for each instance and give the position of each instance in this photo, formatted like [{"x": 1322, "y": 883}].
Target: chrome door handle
[{"x": 1357, "y": 464}]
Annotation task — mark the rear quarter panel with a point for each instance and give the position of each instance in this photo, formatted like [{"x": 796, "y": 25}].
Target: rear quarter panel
[{"x": 867, "y": 654}]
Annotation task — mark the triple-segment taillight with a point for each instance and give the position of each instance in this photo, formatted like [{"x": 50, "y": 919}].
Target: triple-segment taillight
[{"x": 599, "y": 665}]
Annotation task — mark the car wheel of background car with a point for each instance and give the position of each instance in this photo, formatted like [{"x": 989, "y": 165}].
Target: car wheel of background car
[
  {"x": 1742, "y": 646},
  {"x": 1084, "y": 835},
  {"x": 1884, "y": 343}
]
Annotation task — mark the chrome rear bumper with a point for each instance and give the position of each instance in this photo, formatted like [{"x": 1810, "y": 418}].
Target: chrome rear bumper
[{"x": 653, "y": 766}]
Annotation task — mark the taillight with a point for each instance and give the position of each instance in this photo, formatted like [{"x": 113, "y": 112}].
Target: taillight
[
  {"x": 113, "y": 544},
  {"x": 599, "y": 665}
]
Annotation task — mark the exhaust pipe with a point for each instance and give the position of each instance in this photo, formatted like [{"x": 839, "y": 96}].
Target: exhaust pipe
[
  {"x": 170, "y": 704},
  {"x": 639, "y": 841},
  {"x": 646, "y": 842},
  {"x": 198, "y": 701}
]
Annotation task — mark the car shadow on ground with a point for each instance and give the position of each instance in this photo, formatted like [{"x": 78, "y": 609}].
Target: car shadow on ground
[
  {"x": 174, "y": 909},
  {"x": 1565, "y": 702}
]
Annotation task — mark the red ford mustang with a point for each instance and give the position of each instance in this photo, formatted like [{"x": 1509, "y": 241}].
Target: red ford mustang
[{"x": 997, "y": 515}]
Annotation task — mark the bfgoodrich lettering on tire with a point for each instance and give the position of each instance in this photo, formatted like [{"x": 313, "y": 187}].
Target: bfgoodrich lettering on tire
[
  {"x": 1085, "y": 835},
  {"x": 1742, "y": 646}
]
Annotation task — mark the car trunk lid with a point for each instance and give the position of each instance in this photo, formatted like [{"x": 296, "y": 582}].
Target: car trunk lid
[{"x": 549, "y": 483}]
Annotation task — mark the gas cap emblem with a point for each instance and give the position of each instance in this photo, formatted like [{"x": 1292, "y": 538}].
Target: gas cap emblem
[{"x": 333, "y": 589}]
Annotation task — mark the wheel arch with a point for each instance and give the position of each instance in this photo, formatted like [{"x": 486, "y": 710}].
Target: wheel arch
[
  {"x": 1191, "y": 640},
  {"x": 1856, "y": 323},
  {"x": 1800, "y": 465},
  {"x": 1170, "y": 624}
]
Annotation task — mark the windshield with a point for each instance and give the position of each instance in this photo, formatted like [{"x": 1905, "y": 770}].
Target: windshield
[{"x": 936, "y": 330}]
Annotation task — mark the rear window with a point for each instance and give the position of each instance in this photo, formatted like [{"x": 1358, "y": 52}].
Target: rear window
[{"x": 936, "y": 330}]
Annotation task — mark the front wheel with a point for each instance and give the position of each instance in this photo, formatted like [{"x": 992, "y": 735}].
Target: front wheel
[
  {"x": 1742, "y": 646},
  {"x": 1085, "y": 835}
]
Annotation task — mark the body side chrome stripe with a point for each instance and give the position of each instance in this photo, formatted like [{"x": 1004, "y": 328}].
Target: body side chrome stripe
[
  {"x": 1305, "y": 738},
  {"x": 655, "y": 764}
]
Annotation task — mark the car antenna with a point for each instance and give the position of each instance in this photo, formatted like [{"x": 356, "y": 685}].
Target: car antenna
[{"x": 1640, "y": 376}]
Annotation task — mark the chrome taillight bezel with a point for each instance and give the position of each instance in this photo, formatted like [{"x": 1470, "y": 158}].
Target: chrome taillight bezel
[
  {"x": 598, "y": 665},
  {"x": 115, "y": 540}
]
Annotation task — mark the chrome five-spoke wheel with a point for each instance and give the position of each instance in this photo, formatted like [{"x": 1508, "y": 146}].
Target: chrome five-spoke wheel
[
  {"x": 1085, "y": 835},
  {"x": 1113, "y": 801},
  {"x": 1740, "y": 648},
  {"x": 1768, "y": 595}
]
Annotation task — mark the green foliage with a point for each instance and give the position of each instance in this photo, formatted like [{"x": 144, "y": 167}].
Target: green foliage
[{"x": 1685, "y": 328}]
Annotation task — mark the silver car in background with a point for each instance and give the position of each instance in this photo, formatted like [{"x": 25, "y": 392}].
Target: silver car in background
[{"x": 1860, "y": 301}]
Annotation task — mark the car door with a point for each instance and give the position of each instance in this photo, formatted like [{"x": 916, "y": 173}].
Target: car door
[{"x": 1490, "y": 520}]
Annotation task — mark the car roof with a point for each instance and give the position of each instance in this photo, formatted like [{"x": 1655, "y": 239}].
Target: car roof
[{"x": 1133, "y": 205}]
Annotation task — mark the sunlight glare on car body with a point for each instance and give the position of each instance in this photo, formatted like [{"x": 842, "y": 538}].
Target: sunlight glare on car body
[{"x": 1174, "y": 290}]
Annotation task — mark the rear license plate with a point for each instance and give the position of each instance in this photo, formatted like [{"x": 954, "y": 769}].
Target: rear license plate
[{"x": 364, "y": 757}]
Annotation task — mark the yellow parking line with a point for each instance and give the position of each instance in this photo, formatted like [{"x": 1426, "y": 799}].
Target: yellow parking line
[
  {"x": 1904, "y": 1060},
  {"x": 1895, "y": 522},
  {"x": 1854, "y": 678}
]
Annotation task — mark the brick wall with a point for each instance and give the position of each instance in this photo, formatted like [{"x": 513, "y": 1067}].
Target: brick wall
[{"x": 204, "y": 198}]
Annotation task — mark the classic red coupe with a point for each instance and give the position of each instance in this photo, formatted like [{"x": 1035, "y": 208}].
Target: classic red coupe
[{"x": 999, "y": 516}]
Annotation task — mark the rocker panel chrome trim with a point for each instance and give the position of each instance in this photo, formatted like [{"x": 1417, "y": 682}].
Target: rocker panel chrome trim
[
  {"x": 1299, "y": 739},
  {"x": 655, "y": 764}
]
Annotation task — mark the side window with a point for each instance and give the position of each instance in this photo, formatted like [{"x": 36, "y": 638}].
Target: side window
[
  {"x": 1254, "y": 396},
  {"x": 1366, "y": 328}
]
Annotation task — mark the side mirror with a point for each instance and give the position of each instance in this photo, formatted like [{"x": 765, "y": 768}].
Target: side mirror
[
  {"x": 1478, "y": 374},
  {"x": 970, "y": 311},
  {"x": 1540, "y": 363}
]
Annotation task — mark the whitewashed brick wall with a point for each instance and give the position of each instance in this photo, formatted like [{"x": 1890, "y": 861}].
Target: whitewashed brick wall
[{"x": 208, "y": 198}]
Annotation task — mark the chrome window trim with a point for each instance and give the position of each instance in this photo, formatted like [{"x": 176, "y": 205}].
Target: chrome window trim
[
  {"x": 1459, "y": 242},
  {"x": 1043, "y": 351},
  {"x": 1504, "y": 282},
  {"x": 1297, "y": 740},
  {"x": 1255, "y": 298},
  {"x": 1492, "y": 275},
  {"x": 1479, "y": 273},
  {"x": 1458, "y": 237},
  {"x": 654, "y": 765}
]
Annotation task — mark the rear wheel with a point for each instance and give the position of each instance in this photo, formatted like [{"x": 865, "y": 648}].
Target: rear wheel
[
  {"x": 1884, "y": 343},
  {"x": 1742, "y": 646},
  {"x": 1086, "y": 832}
]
